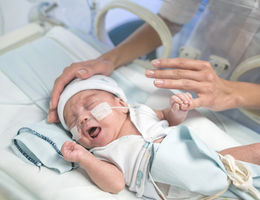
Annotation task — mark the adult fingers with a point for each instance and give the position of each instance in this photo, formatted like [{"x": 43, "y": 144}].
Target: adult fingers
[
  {"x": 53, "y": 116},
  {"x": 181, "y": 63},
  {"x": 182, "y": 84},
  {"x": 196, "y": 103},
  {"x": 69, "y": 73},
  {"x": 176, "y": 74},
  {"x": 97, "y": 66},
  {"x": 58, "y": 87},
  {"x": 82, "y": 70}
]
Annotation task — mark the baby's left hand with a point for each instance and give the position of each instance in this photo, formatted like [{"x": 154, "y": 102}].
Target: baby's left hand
[
  {"x": 181, "y": 101},
  {"x": 72, "y": 151}
]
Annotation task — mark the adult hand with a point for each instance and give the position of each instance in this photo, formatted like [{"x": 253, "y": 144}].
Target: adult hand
[
  {"x": 82, "y": 70},
  {"x": 198, "y": 76}
]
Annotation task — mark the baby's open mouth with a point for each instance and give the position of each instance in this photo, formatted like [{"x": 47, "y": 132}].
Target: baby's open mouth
[{"x": 94, "y": 132}]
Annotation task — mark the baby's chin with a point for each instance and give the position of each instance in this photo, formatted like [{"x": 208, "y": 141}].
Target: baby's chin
[
  {"x": 99, "y": 141},
  {"x": 84, "y": 145},
  {"x": 90, "y": 146}
]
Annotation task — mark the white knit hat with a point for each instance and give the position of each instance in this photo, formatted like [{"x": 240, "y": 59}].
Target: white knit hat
[{"x": 97, "y": 82}]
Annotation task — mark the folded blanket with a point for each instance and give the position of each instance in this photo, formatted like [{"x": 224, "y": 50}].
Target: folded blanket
[{"x": 40, "y": 144}]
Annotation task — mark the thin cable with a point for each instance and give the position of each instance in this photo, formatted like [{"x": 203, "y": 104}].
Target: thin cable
[
  {"x": 92, "y": 6},
  {"x": 23, "y": 103},
  {"x": 1, "y": 22}
]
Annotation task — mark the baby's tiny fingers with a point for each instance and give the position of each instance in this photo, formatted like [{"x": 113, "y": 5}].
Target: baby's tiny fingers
[
  {"x": 175, "y": 107},
  {"x": 185, "y": 107},
  {"x": 188, "y": 98},
  {"x": 175, "y": 99},
  {"x": 189, "y": 95},
  {"x": 183, "y": 97}
]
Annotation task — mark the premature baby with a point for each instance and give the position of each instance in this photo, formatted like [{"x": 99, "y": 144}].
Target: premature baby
[{"x": 118, "y": 143}]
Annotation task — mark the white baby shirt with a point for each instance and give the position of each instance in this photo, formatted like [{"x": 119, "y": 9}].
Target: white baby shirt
[{"x": 131, "y": 153}]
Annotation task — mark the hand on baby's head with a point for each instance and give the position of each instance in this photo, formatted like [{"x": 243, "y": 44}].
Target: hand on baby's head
[
  {"x": 97, "y": 82},
  {"x": 181, "y": 101}
]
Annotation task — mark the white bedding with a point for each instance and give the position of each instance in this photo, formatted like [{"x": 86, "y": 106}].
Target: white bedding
[{"x": 17, "y": 110}]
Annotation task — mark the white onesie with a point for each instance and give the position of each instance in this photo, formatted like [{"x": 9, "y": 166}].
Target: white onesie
[{"x": 131, "y": 153}]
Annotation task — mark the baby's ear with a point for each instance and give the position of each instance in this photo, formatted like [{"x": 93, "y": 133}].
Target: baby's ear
[{"x": 123, "y": 104}]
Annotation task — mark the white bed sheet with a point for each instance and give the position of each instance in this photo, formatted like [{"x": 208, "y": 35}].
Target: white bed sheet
[{"x": 17, "y": 111}]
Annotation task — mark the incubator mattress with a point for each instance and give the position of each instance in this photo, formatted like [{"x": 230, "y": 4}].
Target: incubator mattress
[{"x": 17, "y": 110}]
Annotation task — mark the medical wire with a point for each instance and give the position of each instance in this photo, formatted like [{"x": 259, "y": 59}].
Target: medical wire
[
  {"x": 23, "y": 103},
  {"x": 152, "y": 19},
  {"x": 1, "y": 22},
  {"x": 92, "y": 6}
]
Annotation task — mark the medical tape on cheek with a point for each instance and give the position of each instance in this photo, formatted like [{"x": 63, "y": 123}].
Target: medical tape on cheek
[
  {"x": 75, "y": 133},
  {"x": 101, "y": 111}
]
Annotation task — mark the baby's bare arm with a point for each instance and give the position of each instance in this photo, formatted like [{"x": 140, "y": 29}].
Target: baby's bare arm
[
  {"x": 248, "y": 153},
  {"x": 105, "y": 175}
]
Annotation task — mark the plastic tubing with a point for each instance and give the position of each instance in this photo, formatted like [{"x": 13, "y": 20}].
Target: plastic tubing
[
  {"x": 1, "y": 22},
  {"x": 149, "y": 17},
  {"x": 242, "y": 68}
]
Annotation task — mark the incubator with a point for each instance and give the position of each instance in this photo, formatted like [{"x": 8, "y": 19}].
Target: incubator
[
  {"x": 226, "y": 33},
  {"x": 61, "y": 32}
]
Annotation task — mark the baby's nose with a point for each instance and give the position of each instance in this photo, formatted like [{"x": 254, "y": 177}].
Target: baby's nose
[{"x": 84, "y": 119}]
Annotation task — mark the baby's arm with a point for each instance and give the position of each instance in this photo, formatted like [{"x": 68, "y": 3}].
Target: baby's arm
[
  {"x": 248, "y": 153},
  {"x": 105, "y": 175},
  {"x": 179, "y": 106}
]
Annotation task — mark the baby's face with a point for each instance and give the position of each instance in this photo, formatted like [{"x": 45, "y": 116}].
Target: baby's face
[{"x": 94, "y": 133}]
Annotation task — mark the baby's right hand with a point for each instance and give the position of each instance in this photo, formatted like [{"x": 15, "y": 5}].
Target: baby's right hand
[
  {"x": 181, "y": 101},
  {"x": 72, "y": 151}
]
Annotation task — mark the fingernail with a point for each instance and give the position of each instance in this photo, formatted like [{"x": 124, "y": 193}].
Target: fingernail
[
  {"x": 49, "y": 118},
  {"x": 159, "y": 82},
  {"x": 156, "y": 62},
  {"x": 149, "y": 72},
  {"x": 82, "y": 71}
]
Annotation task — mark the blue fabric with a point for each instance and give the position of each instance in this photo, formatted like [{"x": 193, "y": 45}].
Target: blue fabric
[
  {"x": 183, "y": 160},
  {"x": 40, "y": 144}
]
